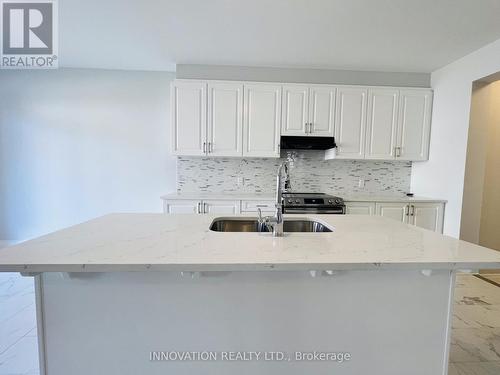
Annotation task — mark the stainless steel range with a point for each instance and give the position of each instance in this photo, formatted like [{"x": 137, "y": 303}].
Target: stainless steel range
[{"x": 307, "y": 203}]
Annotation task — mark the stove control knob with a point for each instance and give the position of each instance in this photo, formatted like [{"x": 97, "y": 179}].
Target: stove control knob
[
  {"x": 289, "y": 201},
  {"x": 297, "y": 201},
  {"x": 330, "y": 201},
  {"x": 338, "y": 201}
]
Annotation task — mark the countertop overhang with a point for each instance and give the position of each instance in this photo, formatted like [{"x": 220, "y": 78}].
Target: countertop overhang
[{"x": 158, "y": 242}]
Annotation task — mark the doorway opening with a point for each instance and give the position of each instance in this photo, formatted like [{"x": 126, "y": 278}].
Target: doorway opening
[{"x": 480, "y": 223}]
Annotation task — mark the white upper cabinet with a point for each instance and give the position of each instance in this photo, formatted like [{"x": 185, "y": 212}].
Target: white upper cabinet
[
  {"x": 189, "y": 117},
  {"x": 261, "y": 120},
  {"x": 308, "y": 110},
  {"x": 350, "y": 122},
  {"x": 235, "y": 119},
  {"x": 225, "y": 119},
  {"x": 295, "y": 119},
  {"x": 382, "y": 123},
  {"x": 414, "y": 128},
  {"x": 321, "y": 110}
]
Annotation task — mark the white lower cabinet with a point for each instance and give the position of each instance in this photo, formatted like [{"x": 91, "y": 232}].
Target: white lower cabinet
[
  {"x": 221, "y": 207},
  {"x": 427, "y": 215},
  {"x": 181, "y": 206},
  {"x": 393, "y": 210},
  {"x": 267, "y": 207},
  {"x": 424, "y": 215},
  {"x": 196, "y": 206},
  {"x": 360, "y": 208}
]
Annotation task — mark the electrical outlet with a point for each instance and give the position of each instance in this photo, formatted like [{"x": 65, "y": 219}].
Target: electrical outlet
[{"x": 361, "y": 183}]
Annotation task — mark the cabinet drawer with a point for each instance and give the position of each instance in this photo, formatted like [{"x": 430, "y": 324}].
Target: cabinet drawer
[
  {"x": 253, "y": 206},
  {"x": 360, "y": 208},
  {"x": 181, "y": 206},
  {"x": 211, "y": 206}
]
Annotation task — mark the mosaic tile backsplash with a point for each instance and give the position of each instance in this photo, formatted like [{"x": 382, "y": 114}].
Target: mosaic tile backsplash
[{"x": 309, "y": 173}]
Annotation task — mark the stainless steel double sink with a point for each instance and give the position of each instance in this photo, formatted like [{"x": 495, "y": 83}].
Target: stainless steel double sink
[{"x": 249, "y": 224}]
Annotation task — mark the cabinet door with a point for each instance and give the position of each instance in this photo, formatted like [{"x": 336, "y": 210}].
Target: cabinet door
[
  {"x": 322, "y": 110},
  {"x": 182, "y": 206},
  {"x": 360, "y": 208},
  {"x": 393, "y": 210},
  {"x": 414, "y": 124},
  {"x": 350, "y": 122},
  {"x": 295, "y": 107},
  {"x": 267, "y": 207},
  {"x": 212, "y": 206},
  {"x": 427, "y": 215},
  {"x": 225, "y": 119},
  {"x": 189, "y": 118},
  {"x": 261, "y": 120},
  {"x": 381, "y": 123}
]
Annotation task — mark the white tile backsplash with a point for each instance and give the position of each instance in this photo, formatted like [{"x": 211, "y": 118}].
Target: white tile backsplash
[{"x": 309, "y": 172}]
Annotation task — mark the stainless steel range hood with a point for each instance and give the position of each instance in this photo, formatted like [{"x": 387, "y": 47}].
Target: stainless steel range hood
[{"x": 307, "y": 143}]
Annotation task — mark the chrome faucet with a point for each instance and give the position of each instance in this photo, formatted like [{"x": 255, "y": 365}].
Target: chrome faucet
[{"x": 276, "y": 222}]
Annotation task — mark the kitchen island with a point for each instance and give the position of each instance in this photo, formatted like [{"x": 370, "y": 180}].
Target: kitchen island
[{"x": 163, "y": 294}]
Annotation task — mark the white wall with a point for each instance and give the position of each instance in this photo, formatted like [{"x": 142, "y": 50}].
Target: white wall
[
  {"x": 443, "y": 175},
  {"x": 302, "y": 75},
  {"x": 76, "y": 144}
]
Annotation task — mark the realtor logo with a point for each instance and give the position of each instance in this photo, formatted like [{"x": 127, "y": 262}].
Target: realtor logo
[{"x": 29, "y": 34}]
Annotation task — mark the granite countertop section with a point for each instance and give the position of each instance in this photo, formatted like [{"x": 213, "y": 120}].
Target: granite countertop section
[
  {"x": 347, "y": 198},
  {"x": 158, "y": 242}
]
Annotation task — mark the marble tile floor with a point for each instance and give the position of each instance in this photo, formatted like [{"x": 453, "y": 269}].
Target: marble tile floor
[
  {"x": 493, "y": 278},
  {"x": 475, "y": 336},
  {"x": 18, "y": 335},
  {"x": 475, "y": 342}
]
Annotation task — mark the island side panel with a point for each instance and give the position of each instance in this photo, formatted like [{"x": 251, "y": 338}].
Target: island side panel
[{"x": 390, "y": 322}]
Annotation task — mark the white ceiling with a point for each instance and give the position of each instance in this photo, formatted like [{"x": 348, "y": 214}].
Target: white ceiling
[{"x": 382, "y": 35}]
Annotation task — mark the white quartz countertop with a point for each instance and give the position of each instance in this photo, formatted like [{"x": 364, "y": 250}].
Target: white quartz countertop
[
  {"x": 157, "y": 242},
  {"x": 347, "y": 198},
  {"x": 223, "y": 196},
  {"x": 389, "y": 198}
]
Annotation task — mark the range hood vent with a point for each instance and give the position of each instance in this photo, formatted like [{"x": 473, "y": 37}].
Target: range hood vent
[{"x": 307, "y": 143}]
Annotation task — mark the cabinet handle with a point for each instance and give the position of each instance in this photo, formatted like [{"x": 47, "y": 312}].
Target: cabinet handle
[
  {"x": 198, "y": 208},
  {"x": 205, "y": 208},
  {"x": 397, "y": 151},
  {"x": 407, "y": 210},
  {"x": 310, "y": 127},
  {"x": 412, "y": 210},
  {"x": 204, "y": 147},
  {"x": 210, "y": 147},
  {"x": 306, "y": 125}
]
